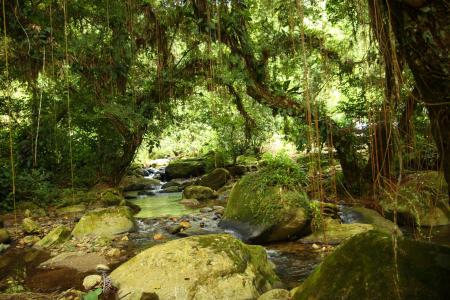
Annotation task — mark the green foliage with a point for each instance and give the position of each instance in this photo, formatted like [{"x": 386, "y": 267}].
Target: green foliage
[{"x": 93, "y": 295}]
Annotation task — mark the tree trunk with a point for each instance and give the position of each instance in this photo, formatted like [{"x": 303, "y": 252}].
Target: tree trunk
[{"x": 422, "y": 31}]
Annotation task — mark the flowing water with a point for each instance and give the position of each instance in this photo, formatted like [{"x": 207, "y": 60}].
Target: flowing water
[{"x": 161, "y": 205}]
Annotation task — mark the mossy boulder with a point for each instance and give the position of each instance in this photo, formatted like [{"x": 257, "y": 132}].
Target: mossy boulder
[
  {"x": 72, "y": 209},
  {"x": 331, "y": 231},
  {"x": 422, "y": 199},
  {"x": 105, "y": 222},
  {"x": 369, "y": 267},
  {"x": 216, "y": 266},
  {"x": 216, "y": 179},
  {"x": 185, "y": 168},
  {"x": 261, "y": 212},
  {"x": 199, "y": 192},
  {"x": 55, "y": 237},
  {"x": 372, "y": 217},
  {"x": 4, "y": 236},
  {"x": 30, "y": 226},
  {"x": 137, "y": 183}
]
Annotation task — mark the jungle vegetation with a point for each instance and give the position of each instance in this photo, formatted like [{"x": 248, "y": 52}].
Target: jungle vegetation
[{"x": 86, "y": 85}]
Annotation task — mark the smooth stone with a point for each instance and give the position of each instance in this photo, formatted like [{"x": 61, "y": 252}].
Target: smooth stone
[
  {"x": 80, "y": 261},
  {"x": 190, "y": 202},
  {"x": 275, "y": 294},
  {"x": 91, "y": 281}
]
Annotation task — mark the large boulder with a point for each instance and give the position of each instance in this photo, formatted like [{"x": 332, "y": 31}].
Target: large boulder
[
  {"x": 185, "y": 168},
  {"x": 137, "y": 183},
  {"x": 201, "y": 267},
  {"x": 372, "y": 266},
  {"x": 4, "y": 236},
  {"x": 421, "y": 199},
  {"x": 55, "y": 237},
  {"x": 199, "y": 192},
  {"x": 105, "y": 222},
  {"x": 262, "y": 212},
  {"x": 216, "y": 179}
]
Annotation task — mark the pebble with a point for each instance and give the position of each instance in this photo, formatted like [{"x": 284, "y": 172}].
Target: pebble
[
  {"x": 206, "y": 209},
  {"x": 91, "y": 281},
  {"x": 158, "y": 237},
  {"x": 315, "y": 246}
]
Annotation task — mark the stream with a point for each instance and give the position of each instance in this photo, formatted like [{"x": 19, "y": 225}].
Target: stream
[{"x": 160, "y": 212}]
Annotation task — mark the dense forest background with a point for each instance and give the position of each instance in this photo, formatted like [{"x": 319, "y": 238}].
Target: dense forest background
[{"x": 87, "y": 87}]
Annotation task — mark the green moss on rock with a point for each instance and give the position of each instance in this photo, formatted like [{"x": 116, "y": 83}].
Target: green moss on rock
[
  {"x": 200, "y": 267},
  {"x": 30, "y": 226},
  {"x": 185, "y": 168},
  {"x": 55, "y": 237},
  {"x": 105, "y": 222},
  {"x": 263, "y": 212},
  {"x": 199, "y": 192},
  {"x": 216, "y": 179},
  {"x": 422, "y": 198},
  {"x": 4, "y": 236},
  {"x": 368, "y": 266}
]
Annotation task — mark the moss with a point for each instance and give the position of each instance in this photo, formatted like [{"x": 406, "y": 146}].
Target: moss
[
  {"x": 365, "y": 268},
  {"x": 257, "y": 203},
  {"x": 421, "y": 198},
  {"x": 242, "y": 255},
  {"x": 105, "y": 222},
  {"x": 55, "y": 237}
]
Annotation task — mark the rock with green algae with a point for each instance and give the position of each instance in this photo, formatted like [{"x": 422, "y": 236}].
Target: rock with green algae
[
  {"x": 372, "y": 217},
  {"x": 216, "y": 179},
  {"x": 275, "y": 294},
  {"x": 4, "y": 236},
  {"x": 199, "y": 192},
  {"x": 421, "y": 199},
  {"x": 265, "y": 213},
  {"x": 105, "y": 222},
  {"x": 368, "y": 266},
  {"x": 30, "y": 226},
  {"x": 72, "y": 209},
  {"x": 185, "y": 168},
  {"x": 55, "y": 237},
  {"x": 137, "y": 183},
  {"x": 333, "y": 232},
  {"x": 216, "y": 266}
]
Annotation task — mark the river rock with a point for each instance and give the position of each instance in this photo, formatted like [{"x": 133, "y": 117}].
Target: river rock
[
  {"x": 190, "y": 202},
  {"x": 170, "y": 184},
  {"x": 134, "y": 183},
  {"x": 264, "y": 213},
  {"x": 4, "y": 236},
  {"x": 333, "y": 232},
  {"x": 216, "y": 179},
  {"x": 30, "y": 240},
  {"x": 200, "y": 267},
  {"x": 422, "y": 199},
  {"x": 171, "y": 189},
  {"x": 80, "y": 261},
  {"x": 275, "y": 294},
  {"x": 30, "y": 226},
  {"x": 364, "y": 268},
  {"x": 72, "y": 209},
  {"x": 237, "y": 170},
  {"x": 91, "y": 281},
  {"x": 105, "y": 222},
  {"x": 55, "y": 237},
  {"x": 372, "y": 217},
  {"x": 185, "y": 168},
  {"x": 199, "y": 192}
]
